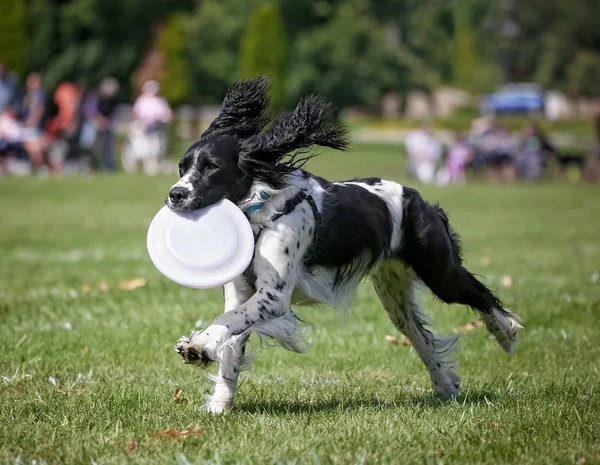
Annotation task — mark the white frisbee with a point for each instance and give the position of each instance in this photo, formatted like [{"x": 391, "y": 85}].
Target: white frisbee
[{"x": 201, "y": 249}]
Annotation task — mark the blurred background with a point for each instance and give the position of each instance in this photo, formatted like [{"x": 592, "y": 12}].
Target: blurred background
[{"x": 460, "y": 89}]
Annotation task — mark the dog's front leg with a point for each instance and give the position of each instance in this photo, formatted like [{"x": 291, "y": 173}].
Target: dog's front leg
[
  {"x": 276, "y": 264},
  {"x": 225, "y": 382},
  {"x": 232, "y": 359}
]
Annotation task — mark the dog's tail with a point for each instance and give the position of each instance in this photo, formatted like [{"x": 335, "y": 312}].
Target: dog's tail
[{"x": 432, "y": 248}]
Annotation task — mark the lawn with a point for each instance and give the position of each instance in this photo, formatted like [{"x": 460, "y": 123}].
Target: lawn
[{"x": 88, "y": 370}]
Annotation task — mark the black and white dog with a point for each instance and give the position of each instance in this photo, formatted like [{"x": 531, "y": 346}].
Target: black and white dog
[{"x": 316, "y": 240}]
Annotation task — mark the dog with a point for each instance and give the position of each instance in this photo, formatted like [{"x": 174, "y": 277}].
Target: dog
[{"x": 316, "y": 240}]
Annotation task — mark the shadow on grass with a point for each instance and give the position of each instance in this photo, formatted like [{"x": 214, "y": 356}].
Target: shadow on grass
[{"x": 338, "y": 404}]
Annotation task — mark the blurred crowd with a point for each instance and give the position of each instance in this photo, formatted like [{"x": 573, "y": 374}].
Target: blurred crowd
[
  {"x": 488, "y": 146},
  {"x": 74, "y": 130}
]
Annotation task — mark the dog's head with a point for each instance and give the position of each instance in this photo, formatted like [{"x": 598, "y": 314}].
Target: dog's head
[{"x": 234, "y": 152}]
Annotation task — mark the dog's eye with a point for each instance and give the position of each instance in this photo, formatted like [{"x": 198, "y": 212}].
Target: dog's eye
[{"x": 210, "y": 167}]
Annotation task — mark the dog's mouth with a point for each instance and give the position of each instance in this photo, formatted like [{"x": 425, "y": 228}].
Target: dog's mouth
[{"x": 183, "y": 206}]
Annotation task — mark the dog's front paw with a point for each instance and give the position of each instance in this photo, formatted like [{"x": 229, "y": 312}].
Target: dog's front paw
[
  {"x": 447, "y": 391},
  {"x": 202, "y": 348},
  {"x": 188, "y": 352},
  {"x": 218, "y": 408}
]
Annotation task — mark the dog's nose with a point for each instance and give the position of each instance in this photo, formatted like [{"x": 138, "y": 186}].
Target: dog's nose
[{"x": 178, "y": 194}]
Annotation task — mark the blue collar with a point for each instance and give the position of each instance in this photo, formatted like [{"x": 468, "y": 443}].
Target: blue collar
[
  {"x": 288, "y": 207},
  {"x": 264, "y": 197}
]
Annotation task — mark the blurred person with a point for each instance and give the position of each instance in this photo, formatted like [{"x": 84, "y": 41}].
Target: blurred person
[
  {"x": 32, "y": 115},
  {"x": 498, "y": 148},
  {"x": 147, "y": 135},
  {"x": 11, "y": 131},
  {"x": 152, "y": 109},
  {"x": 106, "y": 109},
  {"x": 16, "y": 140},
  {"x": 9, "y": 88},
  {"x": 479, "y": 128},
  {"x": 424, "y": 152},
  {"x": 34, "y": 102},
  {"x": 87, "y": 111},
  {"x": 459, "y": 155},
  {"x": 532, "y": 153},
  {"x": 64, "y": 126}
]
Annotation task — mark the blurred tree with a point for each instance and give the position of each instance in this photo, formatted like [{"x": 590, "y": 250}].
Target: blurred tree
[
  {"x": 353, "y": 59},
  {"x": 583, "y": 74},
  {"x": 93, "y": 39},
  {"x": 13, "y": 38},
  {"x": 353, "y": 51},
  {"x": 429, "y": 33},
  {"x": 214, "y": 33},
  {"x": 43, "y": 22},
  {"x": 264, "y": 50},
  {"x": 175, "y": 79},
  {"x": 465, "y": 59},
  {"x": 558, "y": 42}
]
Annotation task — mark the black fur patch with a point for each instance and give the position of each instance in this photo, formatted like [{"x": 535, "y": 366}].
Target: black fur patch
[
  {"x": 354, "y": 223},
  {"x": 432, "y": 249}
]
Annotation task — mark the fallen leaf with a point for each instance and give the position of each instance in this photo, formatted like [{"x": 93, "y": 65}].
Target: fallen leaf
[
  {"x": 86, "y": 288},
  {"x": 103, "y": 286},
  {"x": 132, "y": 284},
  {"x": 177, "y": 394},
  {"x": 506, "y": 281},
  {"x": 403, "y": 341},
  {"x": 472, "y": 325},
  {"x": 173, "y": 433},
  {"x": 486, "y": 261},
  {"x": 132, "y": 445}
]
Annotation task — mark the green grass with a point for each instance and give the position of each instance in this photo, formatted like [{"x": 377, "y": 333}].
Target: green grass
[{"x": 353, "y": 398}]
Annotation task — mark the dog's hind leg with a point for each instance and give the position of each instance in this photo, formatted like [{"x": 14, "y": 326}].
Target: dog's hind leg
[
  {"x": 394, "y": 283},
  {"x": 432, "y": 249}
]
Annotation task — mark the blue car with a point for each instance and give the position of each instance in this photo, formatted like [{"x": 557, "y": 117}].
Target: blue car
[{"x": 514, "y": 98}]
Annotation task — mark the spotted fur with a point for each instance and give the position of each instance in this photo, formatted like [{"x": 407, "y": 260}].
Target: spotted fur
[{"x": 364, "y": 228}]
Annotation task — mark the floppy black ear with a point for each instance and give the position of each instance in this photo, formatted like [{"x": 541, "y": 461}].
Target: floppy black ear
[
  {"x": 310, "y": 123},
  {"x": 244, "y": 110}
]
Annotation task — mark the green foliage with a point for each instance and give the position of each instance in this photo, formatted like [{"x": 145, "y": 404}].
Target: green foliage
[
  {"x": 465, "y": 60},
  {"x": 558, "y": 42},
  {"x": 95, "y": 38},
  {"x": 13, "y": 35},
  {"x": 469, "y": 72},
  {"x": 172, "y": 44},
  {"x": 583, "y": 74},
  {"x": 215, "y": 30},
  {"x": 352, "y": 60},
  {"x": 43, "y": 39},
  {"x": 353, "y": 51},
  {"x": 264, "y": 50}
]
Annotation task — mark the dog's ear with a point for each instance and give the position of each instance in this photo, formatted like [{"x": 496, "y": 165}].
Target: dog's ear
[
  {"x": 244, "y": 110},
  {"x": 310, "y": 123}
]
